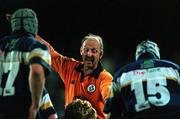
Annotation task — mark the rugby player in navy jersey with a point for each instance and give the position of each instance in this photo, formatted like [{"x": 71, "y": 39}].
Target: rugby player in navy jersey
[
  {"x": 24, "y": 65},
  {"x": 148, "y": 88},
  {"x": 47, "y": 110}
]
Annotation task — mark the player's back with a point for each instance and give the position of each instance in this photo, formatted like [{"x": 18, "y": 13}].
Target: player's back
[
  {"x": 15, "y": 97},
  {"x": 150, "y": 90}
]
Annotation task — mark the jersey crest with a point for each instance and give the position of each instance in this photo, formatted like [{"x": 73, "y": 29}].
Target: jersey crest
[{"x": 91, "y": 88}]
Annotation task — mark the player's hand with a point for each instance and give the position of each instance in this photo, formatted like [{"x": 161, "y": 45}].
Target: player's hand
[{"x": 53, "y": 116}]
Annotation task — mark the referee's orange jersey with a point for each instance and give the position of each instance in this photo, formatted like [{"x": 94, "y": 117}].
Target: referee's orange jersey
[{"x": 94, "y": 88}]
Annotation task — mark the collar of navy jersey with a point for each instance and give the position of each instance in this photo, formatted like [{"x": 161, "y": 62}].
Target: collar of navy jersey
[{"x": 95, "y": 73}]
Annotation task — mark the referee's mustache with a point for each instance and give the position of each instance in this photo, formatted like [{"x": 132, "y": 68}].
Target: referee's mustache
[{"x": 89, "y": 58}]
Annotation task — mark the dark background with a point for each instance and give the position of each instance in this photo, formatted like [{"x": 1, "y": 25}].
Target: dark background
[{"x": 121, "y": 23}]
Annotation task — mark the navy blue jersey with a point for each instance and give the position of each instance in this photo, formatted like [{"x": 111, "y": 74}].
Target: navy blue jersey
[
  {"x": 146, "y": 89},
  {"x": 16, "y": 54}
]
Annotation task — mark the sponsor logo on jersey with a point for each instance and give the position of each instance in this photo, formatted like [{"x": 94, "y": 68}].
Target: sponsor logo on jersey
[{"x": 138, "y": 72}]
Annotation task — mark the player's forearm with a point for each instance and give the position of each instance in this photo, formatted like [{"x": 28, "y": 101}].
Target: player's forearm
[{"x": 36, "y": 83}]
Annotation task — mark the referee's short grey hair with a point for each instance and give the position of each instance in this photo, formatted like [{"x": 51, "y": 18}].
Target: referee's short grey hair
[{"x": 99, "y": 38}]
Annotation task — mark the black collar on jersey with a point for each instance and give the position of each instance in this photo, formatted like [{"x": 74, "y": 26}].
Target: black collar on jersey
[{"x": 95, "y": 73}]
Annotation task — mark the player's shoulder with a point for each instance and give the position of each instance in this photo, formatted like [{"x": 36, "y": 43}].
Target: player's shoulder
[
  {"x": 34, "y": 43},
  {"x": 167, "y": 63},
  {"x": 125, "y": 68}
]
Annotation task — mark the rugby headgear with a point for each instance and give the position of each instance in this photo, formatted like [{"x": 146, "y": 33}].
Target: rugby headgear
[
  {"x": 147, "y": 47},
  {"x": 25, "y": 20}
]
